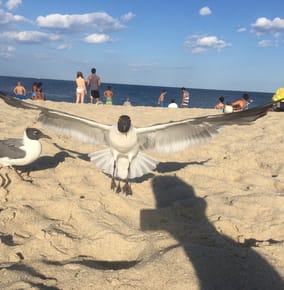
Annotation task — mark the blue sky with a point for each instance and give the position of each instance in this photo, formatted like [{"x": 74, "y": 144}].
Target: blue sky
[{"x": 212, "y": 44}]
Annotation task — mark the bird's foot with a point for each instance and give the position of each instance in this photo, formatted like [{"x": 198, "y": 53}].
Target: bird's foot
[
  {"x": 5, "y": 181},
  {"x": 118, "y": 189},
  {"x": 28, "y": 179},
  {"x": 127, "y": 189},
  {"x": 113, "y": 184}
]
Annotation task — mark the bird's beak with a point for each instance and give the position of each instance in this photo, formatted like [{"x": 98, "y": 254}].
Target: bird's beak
[{"x": 45, "y": 136}]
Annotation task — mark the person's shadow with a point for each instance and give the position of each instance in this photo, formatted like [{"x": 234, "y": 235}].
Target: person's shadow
[{"x": 220, "y": 262}]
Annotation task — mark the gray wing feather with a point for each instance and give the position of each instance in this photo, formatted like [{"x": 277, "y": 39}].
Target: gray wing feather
[
  {"x": 10, "y": 148},
  {"x": 178, "y": 135},
  {"x": 74, "y": 126}
]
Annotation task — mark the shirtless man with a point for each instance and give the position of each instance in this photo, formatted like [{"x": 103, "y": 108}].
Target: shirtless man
[
  {"x": 241, "y": 104},
  {"x": 162, "y": 98},
  {"x": 20, "y": 91}
]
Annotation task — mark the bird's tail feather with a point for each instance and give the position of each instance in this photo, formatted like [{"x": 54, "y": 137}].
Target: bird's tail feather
[
  {"x": 103, "y": 160},
  {"x": 140, "y": 165}
]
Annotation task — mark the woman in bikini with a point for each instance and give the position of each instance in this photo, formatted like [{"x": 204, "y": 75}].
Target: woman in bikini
[{"x": 80, "y": 88}]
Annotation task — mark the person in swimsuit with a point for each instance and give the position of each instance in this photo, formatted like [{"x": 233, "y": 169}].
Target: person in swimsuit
[
  {"x": 162, "y": 98},
  {"x": 20, "y": 91},
  {"x": 240, "y": 104},
  {"x": 38, "y": 94},
  {"x": 220, "y": 104},
  {"x": 184, "y": 98},
  {"x": 80, "y": 88},
  {"x": 108, "y": 94}
]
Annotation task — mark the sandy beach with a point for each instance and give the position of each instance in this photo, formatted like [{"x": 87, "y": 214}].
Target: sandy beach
[{"x": 210, "y": 217}]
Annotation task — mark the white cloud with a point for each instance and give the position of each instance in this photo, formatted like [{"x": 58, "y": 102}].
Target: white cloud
[
  {"x": 127, "y": 17},
  {"x": 7, "y": 51},
  {"x": 204, "y": 11},
  {"x": 264, "y": 25},
  {"x": 63, "y": 47},
  {"x": 199, "y": 44},
  {"x": 143, "y": 66},
  {"x": 97, "y": 38},
  {"x": 7, "y": 18},
  {"x": 267, "y": 43},
  {"x": 100, "y": 21},
  {"x": 241, "y": 29},
  {"x": 29, "y": 36},
  {"x": 13, "y": 4}
]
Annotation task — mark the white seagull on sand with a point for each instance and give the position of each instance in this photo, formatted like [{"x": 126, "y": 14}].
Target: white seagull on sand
[
  {"x": 124, "y": 158},
  {"x": 19, "y": 152}
]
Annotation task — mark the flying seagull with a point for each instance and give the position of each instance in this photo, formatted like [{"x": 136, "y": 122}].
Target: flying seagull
[{"x": 124, "y": 158}]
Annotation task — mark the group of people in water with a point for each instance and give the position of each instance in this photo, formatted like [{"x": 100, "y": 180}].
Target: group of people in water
[
  {"x": 94, "y": 83},
  {"x": 37, "y": 91},
  {"x": 185, "y": 97}
]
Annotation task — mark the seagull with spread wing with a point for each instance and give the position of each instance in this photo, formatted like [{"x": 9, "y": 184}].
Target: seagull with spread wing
[{"x": 124, "y": 158}]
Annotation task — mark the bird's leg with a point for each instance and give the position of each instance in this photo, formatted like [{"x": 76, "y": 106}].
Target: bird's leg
[
  {"x": 5, "y": 181},
  {"x": 127, "y": 188},
  {"x": 118, "y": 189},
  {"x": 113, "y": 184},
  {"x": 21, "y": 176}
]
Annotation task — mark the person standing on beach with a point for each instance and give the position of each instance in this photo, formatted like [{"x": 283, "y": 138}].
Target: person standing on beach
[
  {"x": 162, "y": 98},
  {"x": 184, "y": 98},
  {"x": 20, "y": 91},
  {"x": 108, "y": 94},
  {"x": 80, "y": 88},
  {"x": 94, "y": 82}
]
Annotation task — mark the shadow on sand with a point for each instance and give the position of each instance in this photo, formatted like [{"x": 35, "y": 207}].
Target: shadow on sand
[{"x": 220, "y": 262}]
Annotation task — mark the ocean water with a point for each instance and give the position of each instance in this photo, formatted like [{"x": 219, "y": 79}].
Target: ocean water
[{"x": 62, "y": 90}]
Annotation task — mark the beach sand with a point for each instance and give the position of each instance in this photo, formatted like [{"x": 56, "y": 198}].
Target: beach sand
[{"x": 210, "y": 217}]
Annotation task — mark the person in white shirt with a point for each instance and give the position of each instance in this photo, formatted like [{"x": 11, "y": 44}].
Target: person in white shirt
[{"x": 172, "y": 104}]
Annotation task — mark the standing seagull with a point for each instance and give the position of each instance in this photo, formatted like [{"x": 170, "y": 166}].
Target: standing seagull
[
  {"x": 19, "y": 152},
  {"x": 124, "y": 159}
]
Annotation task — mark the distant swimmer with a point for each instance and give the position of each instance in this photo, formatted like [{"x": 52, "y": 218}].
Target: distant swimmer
[
  {"x": 184, "y": 98},
  {"x": 20, "y": 91},
  {"x": 162, "y": 98},
  {"x": 127, "y": 102},
  {"x": 108, "y": 94}
]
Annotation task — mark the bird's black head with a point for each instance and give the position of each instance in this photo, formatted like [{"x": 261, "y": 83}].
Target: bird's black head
[
  {"x": 124, "y": 124},
  {"x": 35, "y": 134}
]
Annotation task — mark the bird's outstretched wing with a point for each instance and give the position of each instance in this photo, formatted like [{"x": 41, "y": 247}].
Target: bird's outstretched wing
[
  {"x": 14, "y": 102},
  {"x": 178, "y": 135},
  {"x": 10, "y": 148},
  {"x": 81, "y": 128}
]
